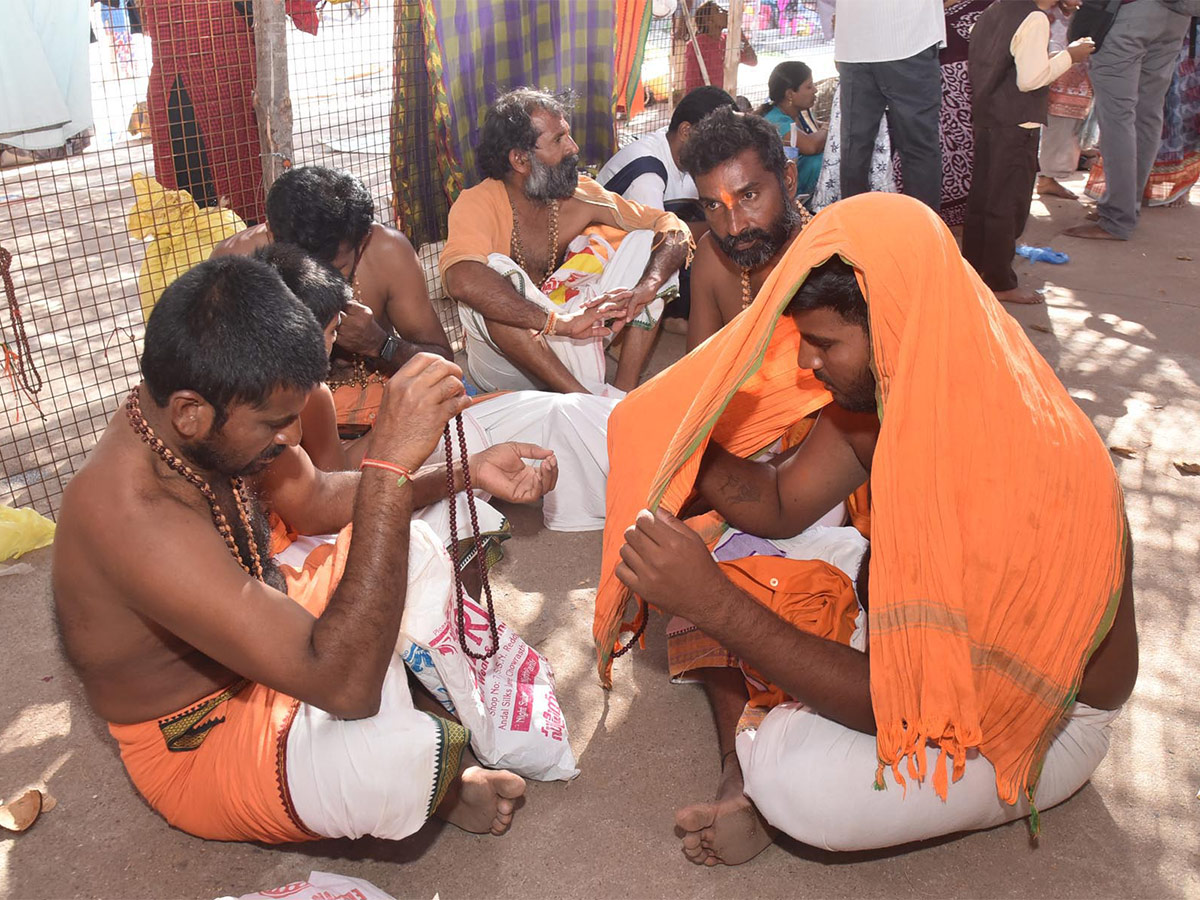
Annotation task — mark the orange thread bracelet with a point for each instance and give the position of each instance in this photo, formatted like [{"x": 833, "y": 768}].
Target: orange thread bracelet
[{"x": 405, "y": 474}]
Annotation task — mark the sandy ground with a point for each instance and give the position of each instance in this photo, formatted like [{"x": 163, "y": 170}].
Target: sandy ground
[{"x": 1120, "y": 326}]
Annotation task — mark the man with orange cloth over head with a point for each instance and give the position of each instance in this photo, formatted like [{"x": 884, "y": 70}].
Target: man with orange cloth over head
[{"x": 999, "y": 641}]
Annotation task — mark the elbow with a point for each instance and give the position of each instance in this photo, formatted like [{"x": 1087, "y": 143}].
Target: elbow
[{"x": 354, "y": 704}]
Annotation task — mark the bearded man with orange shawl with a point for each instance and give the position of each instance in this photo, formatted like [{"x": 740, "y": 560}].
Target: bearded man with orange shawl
[{"x": 1000, "y": 632}]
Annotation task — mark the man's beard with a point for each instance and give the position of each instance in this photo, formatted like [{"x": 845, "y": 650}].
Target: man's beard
[
  {"x": 546, "y": 183},
  {"x": 858, "y": 398},
  {"x": 207, "y": 455},
  {"x": 766, "y": 242}
]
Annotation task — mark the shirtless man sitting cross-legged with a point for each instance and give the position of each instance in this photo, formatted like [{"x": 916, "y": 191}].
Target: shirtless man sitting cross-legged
[
  {"x": 254, "y": 690},
  {"x": 998, "y": 642}
]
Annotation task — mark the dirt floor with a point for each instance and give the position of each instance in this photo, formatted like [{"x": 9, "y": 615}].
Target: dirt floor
[{"x": 1121, "y": 326}]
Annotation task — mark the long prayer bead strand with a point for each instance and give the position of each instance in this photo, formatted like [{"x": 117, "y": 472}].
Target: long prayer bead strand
[{"x": 480, "y": 562}]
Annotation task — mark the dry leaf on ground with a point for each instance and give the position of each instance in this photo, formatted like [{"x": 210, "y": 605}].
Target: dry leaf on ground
[
  {"x": 1188, "y": 468},
  {"x": 1044, "y": 329},
  {"x": 1125, "y": 452},
  {"x": 19, "y": 814},
  {"x": 1185, "y": 258}
]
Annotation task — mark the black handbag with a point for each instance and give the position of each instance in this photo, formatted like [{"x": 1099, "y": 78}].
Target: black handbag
[{"x": 1093, "y": 19}]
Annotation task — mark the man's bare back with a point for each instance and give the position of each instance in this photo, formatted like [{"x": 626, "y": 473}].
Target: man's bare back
[{"x": 390, "y": 283}]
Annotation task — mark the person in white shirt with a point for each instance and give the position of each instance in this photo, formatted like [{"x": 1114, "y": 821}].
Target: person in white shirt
[
  {"x": 887, "y": 58},
  {"x": 647, "y": 172}
]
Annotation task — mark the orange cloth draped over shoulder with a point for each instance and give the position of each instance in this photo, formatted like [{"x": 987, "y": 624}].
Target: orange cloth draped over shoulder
[{"x": 997, "y": 521}]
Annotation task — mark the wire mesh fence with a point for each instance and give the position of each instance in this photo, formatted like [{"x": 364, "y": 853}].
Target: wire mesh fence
[
  {"x": 160, "y": 98},
  {"x": 92, "y": 228},
  {"x": 776, "y": 31}
]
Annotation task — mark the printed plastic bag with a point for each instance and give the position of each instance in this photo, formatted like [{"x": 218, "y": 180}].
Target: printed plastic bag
[
  {"x": 22, "y": 530},
  {"x": 321, "y": 886},
  {"x": 506, "y": 701}
]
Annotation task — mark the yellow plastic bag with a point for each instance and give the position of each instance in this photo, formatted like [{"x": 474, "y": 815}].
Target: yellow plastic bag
[
  {"x": 184, "y": 235},
  {"x": 22, "y": 530}
]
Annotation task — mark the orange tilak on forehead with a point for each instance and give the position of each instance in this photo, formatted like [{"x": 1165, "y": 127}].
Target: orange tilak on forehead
[{"x": 726, "y": 198}]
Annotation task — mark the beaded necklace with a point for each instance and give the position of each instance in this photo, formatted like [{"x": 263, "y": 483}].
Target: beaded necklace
[
  {"x": 477, "y": 543},
  {"x": 518, "y": 248},
  {"x": 143, "y": 430}
]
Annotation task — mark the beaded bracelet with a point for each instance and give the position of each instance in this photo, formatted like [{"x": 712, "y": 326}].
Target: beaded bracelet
[{"x": 405, "y": 474}]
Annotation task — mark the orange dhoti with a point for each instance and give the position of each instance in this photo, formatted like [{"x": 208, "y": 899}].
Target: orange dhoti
[{"x": 248, "y": 763}]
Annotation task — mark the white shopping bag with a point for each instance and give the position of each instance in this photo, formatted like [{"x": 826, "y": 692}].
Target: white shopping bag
[
  {"x": 507, "y": 701},
  {"x": 321, "y": 886}
]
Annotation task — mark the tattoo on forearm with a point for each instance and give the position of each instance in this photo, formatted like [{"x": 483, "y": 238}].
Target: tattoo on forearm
[{"x": 735, "y": 490}]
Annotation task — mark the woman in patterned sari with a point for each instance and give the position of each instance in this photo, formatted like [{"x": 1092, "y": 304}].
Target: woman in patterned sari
[{"x": 958, "y": 144}]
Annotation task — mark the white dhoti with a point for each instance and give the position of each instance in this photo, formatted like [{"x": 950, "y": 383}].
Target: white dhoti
[
  {"x": 490, "y": 370},
  {"x": 383, "y": 775},
  {"x": 815, "y": 780},
  {"x": 574, "y": 426}
]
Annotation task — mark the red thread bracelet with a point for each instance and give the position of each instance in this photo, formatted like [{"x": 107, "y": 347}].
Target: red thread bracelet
[{"x": 404, "y": 473}]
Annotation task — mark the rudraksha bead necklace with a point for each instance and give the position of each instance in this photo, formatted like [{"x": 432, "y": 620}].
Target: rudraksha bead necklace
[
  {"x": 480, "y": 562},
  {"x": 143, "y": 430}
]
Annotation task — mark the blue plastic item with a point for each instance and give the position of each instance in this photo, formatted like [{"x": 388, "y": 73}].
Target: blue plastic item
[{"x": 1042, "y": 254}]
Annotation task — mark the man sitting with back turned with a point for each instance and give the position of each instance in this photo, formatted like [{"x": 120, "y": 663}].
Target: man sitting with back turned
[
  {"x": 244, "y": 712},
  {"x": 532, "y": 318},
  {"x": 747, "y": 189},
  {"x": 330, "y": 214},
  {"x": 1000, "y": 641}
]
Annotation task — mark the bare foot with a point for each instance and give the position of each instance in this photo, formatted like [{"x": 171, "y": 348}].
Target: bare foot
[
  {"x": 482, "y": 800},
  {"x": 1050, "y": 187},
  {"x": 1016, "y": 295},
  {"x": 729, "y": 830},
  {"x": 1091, "y": 233}
]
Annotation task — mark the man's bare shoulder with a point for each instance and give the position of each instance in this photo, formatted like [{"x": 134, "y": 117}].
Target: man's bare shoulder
[
  {"x": 243, "y": 243},
  {"x": 115, "y": 502},
  {"x": 859, "y": 431},
  {"x": 709, "y": 260},
  {"x": 390, "y": 249},
  {"x": 387, "y": 236}
]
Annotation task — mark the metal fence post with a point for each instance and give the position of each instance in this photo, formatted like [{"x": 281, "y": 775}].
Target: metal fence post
[
  {"x": 733, "y": 46},
  {"x": 272, "y": 102}
]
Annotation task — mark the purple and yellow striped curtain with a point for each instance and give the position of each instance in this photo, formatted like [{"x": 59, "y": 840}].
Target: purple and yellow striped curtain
[{"x": 454, "y": 57}]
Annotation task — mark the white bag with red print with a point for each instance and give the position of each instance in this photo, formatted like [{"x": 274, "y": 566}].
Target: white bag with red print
[{"x": 506, "y": 701}]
